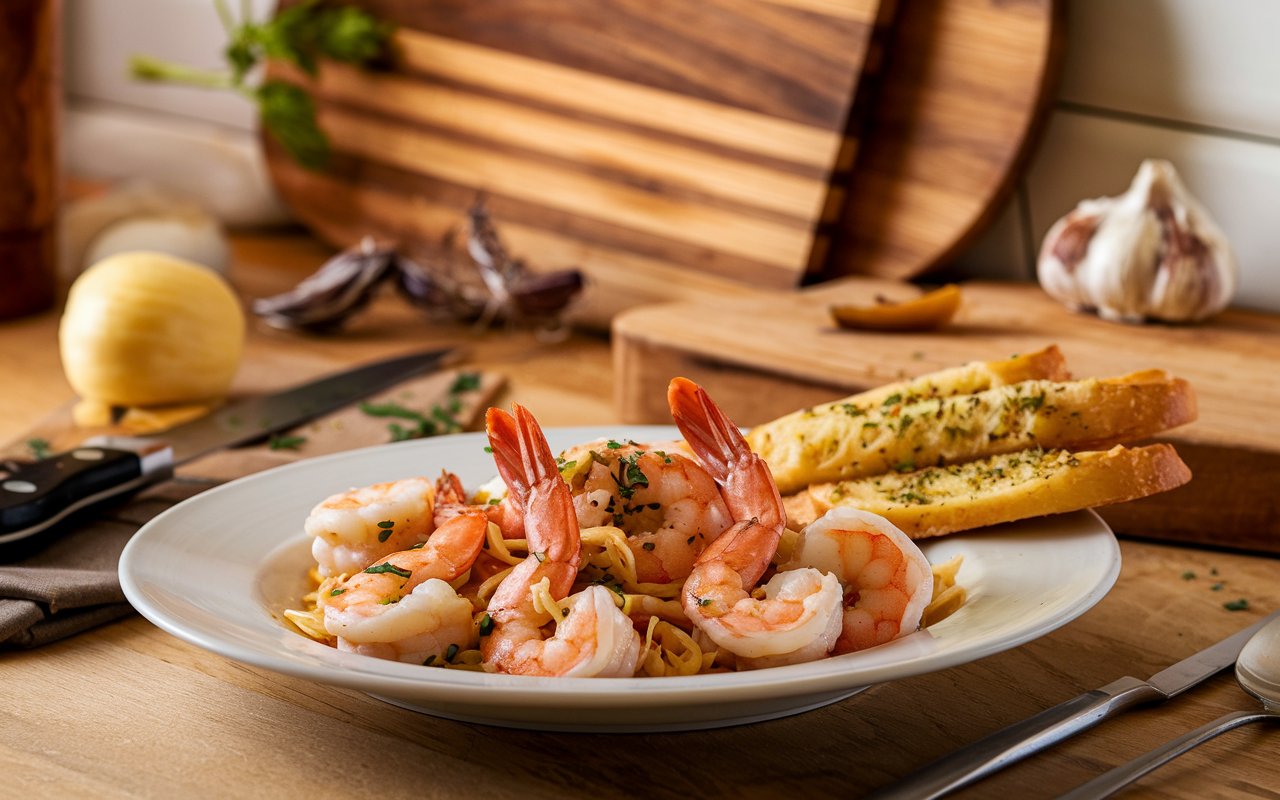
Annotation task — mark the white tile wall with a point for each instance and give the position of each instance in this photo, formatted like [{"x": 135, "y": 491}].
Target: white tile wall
[
  {"x": 1207, "y": 62},
  {"x": 101, "y": 35},
  {"x": 1192, "y": 81}
]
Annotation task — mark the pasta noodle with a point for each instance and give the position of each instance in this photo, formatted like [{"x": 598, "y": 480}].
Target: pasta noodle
[{"x": 670, "y": 647}]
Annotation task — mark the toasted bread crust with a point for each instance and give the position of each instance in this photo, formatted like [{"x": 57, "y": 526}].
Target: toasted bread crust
[
  {"x": 842, "y": 442},
  {"x": 998, "y": 489}
]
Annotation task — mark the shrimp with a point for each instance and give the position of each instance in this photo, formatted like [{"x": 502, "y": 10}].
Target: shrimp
[
  {"x": 353, "y": 529},
  {"x": 799, "y": 617},
  {"x": 667, "y": 504},
  {"x": 596, "y": 639},
  {"x": 451, "y": 500},
  {"x": 402, "y": 608},
  {"x": 887, "y": 580}
]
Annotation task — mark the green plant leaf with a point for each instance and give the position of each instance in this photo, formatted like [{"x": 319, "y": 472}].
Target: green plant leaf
[{"x": 289, "y": 116}]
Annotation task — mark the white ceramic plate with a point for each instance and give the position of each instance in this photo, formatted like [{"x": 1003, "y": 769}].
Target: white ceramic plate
[{"x": 217, "y": 570}]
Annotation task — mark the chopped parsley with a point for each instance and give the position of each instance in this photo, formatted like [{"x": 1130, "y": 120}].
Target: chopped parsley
[
  {"x": 1188, "y": 576},
  {"x": 465, "y": 382},
  {"x": 1236, "y": 605},
  {"x": 378, "y": 569},
  {"x": 630, "y": 476},
  {"x": 286, "y": 442},
  {"x": 387, "y": 527},
  {"x": 892, "y": 399},
  {"x": 1033, "y": 403}
]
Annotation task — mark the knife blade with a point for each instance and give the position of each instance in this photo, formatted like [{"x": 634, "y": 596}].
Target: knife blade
[
  {"x": 1004, "y": 747},
  {"x": 36, "y": 496}
]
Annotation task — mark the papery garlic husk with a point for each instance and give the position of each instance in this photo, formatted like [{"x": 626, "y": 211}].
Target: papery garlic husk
[{"x": 1151, "y": 253}]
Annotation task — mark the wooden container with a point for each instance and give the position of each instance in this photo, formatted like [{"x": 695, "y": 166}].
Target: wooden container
[
  {"x": 767, "y": 355},
  {"x": 29, "y": 96}
]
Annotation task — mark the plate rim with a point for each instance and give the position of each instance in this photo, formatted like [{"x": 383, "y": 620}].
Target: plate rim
[{"x": 387, "y": 677}]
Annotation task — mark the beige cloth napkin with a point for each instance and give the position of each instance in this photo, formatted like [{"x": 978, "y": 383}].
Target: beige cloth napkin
[{"x": 71, "y": 584}]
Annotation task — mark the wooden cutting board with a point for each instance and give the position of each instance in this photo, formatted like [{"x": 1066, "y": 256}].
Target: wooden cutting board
[
  {"x": 767, "y": 355},
  {"x": 347, "y": 428},
  {"x": 966, "y": 88},
  {"x": 655, "y": 143}
]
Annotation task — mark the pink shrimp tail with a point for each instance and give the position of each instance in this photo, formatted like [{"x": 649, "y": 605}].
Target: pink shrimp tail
[
  {"x": 717, "y": 442},
  {"x": 745, "y": 481},
  {"x": 527, "y": 466}
]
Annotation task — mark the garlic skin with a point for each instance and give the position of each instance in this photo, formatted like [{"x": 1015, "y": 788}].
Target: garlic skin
[{"x": 1151, "y": 253}]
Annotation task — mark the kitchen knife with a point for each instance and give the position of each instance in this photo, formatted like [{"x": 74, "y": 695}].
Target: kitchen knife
[
  {"x": 1004, "y": 747},
  {"x": 37, "y": 496}
]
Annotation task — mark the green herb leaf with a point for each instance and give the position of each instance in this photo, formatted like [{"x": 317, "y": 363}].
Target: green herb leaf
[
  {"x": 1188, "y": 576},
  {"x": 378, "y": 569},
  {"x": 289, "y": 116},
  {"x": 450, "y": 652},
  {"x": 486, "y": 625},
  {"x": 465, "y": 382},
  {"x": 336, "y": 592},
  {"x": 1236, "y": 605},
  {"x": 286, "y": 442},
  {"x": 39, "y": 448}
]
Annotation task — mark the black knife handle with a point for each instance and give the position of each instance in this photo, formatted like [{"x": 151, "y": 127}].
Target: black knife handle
[{"x": 37, "y": 496}]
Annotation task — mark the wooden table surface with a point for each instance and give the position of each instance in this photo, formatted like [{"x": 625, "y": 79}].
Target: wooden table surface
[{"x": 129, "y": 711}]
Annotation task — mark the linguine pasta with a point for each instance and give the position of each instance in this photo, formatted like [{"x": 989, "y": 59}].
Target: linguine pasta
[{"x": 671, "y": 645}]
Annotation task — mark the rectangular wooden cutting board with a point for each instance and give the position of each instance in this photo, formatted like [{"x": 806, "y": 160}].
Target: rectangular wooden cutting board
[
  {"x": 653, "y": 143},
  {"x": 766, "y": 355}
]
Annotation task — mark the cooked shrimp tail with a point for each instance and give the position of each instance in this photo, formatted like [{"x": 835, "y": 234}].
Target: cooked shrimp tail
[
  {"x": 799, "y": 617},
  {"x": 596, "y": 638},
  {"x": 745, "y": 482},
  {"x": 525, "y": 462}
]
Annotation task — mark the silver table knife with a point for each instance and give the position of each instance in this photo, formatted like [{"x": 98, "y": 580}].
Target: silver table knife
[
  {"x": 35, "y": 497},
  {"x": 1002, "y": 748}
]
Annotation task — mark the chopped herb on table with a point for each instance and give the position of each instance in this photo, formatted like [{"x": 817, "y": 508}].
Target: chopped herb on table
[
  {"x": 1236, "y": 605},
  {"x": 286, "y": 442},
  {"x": 439, "y": 419},
  {"x": 1188, "y": 576}
]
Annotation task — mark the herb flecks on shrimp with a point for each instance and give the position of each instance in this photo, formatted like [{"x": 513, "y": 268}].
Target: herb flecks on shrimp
[{"x": 614, "y": 559}]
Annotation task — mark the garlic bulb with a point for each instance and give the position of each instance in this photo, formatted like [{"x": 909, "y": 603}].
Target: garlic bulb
[{"x": 1153, "y": 252}]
